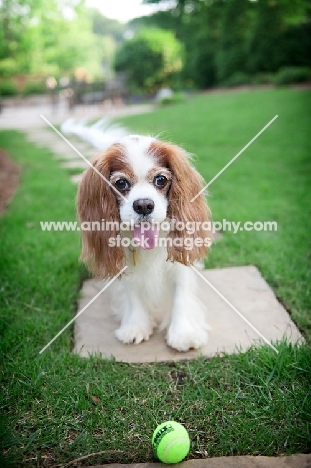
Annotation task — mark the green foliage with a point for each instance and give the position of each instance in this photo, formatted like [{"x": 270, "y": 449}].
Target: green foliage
[
  {"x": 290, "y": 75},
  {"x": 237, "y": 79},
  {"x": 265, "y": 52},
  {"x": 231, "y": 56},
  {"x": 150, "y": 59},
  {"x": 225, "y": 38},
  {"x": 8, "y": 67},
  {"x": 200, "y": 33},
  {"x": 176, "y": 98},
  {"x": 54, "y": 38},
  {"x": 218, "y": 40},
  {"x": 103, "y": 26},
  {"x": 262, "y": 78},
  {"x": 34, "y": 87},
  {"x": 8, "y": 88}
]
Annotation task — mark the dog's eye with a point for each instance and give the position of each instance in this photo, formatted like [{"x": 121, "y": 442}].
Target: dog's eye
[
  {"x": 160, "y": 181},
  {"x": 122, "y": 185}
]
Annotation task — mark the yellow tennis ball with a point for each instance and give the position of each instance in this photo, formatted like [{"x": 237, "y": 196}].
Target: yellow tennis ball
[{"x": 170, "y": 442}]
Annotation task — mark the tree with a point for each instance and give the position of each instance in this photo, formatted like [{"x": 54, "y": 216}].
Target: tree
[
  {"x": 200, "y": 31},
  {"x": 103, "y": 26},
  {"x": 150, "y": 59},
  {"x": 280, "y": 35},
  {"x": 222, "y": 38},
  {"x": 49, "y": 38},
  {"x": 231, "y": 56}
]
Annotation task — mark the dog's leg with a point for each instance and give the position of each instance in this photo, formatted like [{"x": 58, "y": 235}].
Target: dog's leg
[
  {"x": 136, "y": 325},
  {"x": 188, "y": 326}
]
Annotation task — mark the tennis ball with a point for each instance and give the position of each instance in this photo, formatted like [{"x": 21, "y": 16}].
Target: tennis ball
[{"x": 170, "y": 442}]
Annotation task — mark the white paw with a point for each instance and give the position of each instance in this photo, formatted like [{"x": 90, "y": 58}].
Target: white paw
[
  {"x": 183, "y": 339},
  {"x": 133, "y": 333}
]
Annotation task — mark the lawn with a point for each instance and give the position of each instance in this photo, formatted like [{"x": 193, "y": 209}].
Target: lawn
[{"x": 58, "y": 407}]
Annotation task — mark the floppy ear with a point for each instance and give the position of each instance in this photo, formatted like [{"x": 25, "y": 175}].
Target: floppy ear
[
  {"x": 186, "y": 184},
  {"x": 96, "y": 201}
]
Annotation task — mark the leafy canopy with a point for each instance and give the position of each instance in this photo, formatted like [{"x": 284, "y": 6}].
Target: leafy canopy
[{"x": 150, "y": 59}]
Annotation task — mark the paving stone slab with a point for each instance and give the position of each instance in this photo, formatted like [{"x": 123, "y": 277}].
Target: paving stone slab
[
  {"x": 40, "y": 139},
  {"x": 26, "y": 117},
  {"x": 55, "y": 144},
  {"x": 44, "y": 142},
  {"x": 40, "y": 134},
  {"x": 293, "y": 461},
  {"x": 74, "y": 164},
  {"x": 243, "y": 287},
  {"x": 76, "y": 178}
]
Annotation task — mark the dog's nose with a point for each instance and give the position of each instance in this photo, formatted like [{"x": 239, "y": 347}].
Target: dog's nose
[{"x": 143, "y": 206}]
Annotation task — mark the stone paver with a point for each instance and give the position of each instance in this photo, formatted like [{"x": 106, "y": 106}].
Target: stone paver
[
  {"x": 36, "y": 132},
  {"x": 244, "y": 287},
  {"x": 293, "y": 461},
  {"x": 28, "y": 117},
  {"x": 76, "y": 163},
  {"x": 76, "y": 178}
]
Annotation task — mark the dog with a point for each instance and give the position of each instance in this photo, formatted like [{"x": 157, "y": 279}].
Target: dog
[{"x": 141, "y": 188}]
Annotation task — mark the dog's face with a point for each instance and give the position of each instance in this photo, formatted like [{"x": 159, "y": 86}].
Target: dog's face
[
  {"x": 144, "y": 180},
  {"x": 142, "y": 186}
]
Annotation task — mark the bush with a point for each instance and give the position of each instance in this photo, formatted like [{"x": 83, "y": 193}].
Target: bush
[
  {"x": 237, "y": 79},
  {"x": 176, "y": 98},
  {"x": 151, "y": 59},
  {"x": 290, "y": 75},
  {"x": 34, "y": 87},
  {"x": 8, "y": 67},
  {"x": 8, "y": 88},
  {"x": 263, "y": 78}
]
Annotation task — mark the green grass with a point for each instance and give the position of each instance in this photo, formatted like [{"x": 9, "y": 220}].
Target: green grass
[{"x": 59, "y": 407}]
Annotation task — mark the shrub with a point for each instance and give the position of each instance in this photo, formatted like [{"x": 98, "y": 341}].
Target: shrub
[
  {"x": 176, "y": 98},
  {"x": 262, "y": 78},
  {"x": 237, "y": 79},
  {"x": 8, "y": 67},
  {"x": 8, "y": 88},
  {"x": 151, "y": 59},
  {"x": 290, "y": 75},
  {"x": 34, "y": 87}
]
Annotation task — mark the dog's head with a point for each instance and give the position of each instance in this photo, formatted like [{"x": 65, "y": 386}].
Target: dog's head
[{"x": 144, "y": 181}]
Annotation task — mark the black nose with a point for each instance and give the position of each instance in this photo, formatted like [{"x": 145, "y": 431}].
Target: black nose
[{"x": 143, "y": 206}]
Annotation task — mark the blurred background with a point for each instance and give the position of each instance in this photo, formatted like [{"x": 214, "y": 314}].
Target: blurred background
[{"x": 72, "y": 52}]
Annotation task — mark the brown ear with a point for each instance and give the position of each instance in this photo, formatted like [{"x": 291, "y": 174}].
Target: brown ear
[
  {"x": 186, "y": 184},
  {"x": 96, "y": 201}
]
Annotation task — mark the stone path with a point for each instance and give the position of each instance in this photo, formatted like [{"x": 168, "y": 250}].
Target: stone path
[
  {"x": 244, "y": 287},
  {"x": 293, "y": 461},
  {"x": 27, "y": 117},
  {"x": 68, "y": 158},
  {"x": 9, "y": 180},
  {"x": 29, "y": 121}
]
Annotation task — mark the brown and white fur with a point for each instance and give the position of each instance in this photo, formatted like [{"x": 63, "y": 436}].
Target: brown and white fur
[{"x": 158, "y": 289}]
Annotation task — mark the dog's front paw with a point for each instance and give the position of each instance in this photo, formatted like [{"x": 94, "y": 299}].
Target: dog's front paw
[
  {"x": 132, "y": 333},
  {"x": 183, "y": 339}
]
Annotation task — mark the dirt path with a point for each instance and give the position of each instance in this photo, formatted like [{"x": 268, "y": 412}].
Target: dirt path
[{"x": 9, "y": 179}]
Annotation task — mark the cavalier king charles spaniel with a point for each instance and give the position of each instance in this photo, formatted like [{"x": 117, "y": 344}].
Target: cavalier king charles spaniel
[{"x": 143, "y": 199}]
